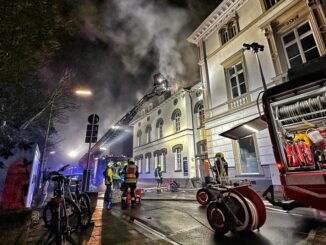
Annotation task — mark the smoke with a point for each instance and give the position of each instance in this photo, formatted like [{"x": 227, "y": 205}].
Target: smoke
[
  {"x": 137, "y": 27},
  {"x": 122, "y": 43}
]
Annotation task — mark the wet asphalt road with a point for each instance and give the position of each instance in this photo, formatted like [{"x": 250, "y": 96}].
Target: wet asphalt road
[{"x": 181, "y": 222}]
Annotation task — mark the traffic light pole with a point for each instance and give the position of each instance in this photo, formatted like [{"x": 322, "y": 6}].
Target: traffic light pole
[{"x": 86, "y": 175}]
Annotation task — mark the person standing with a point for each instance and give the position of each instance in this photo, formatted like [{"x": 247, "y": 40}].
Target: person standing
[
  {"x": 158, "y": 177},
  {"x": 131, "y": 174},
  {"x": 116, "y": 176},
  {"x": 108, "y": 179}
]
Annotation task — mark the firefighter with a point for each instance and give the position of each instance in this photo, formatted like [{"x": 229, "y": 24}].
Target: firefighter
[
  {"x": 131, "y": 174},
  {"x": 108, "y": 179},
  {"x": 158, "y": 177},
  {"x": 116, "y": 175},
  {"x": 220, "y": 168},
  {"x": 122, "y": 177}
]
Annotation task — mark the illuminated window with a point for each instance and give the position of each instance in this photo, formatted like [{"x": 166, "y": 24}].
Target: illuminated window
[
  {"x": 177, "y": 122},
  {"x": 148, "y": 133},
  {"x": 177, "y": 159},
  {"x": 139, "y": 164},
  {"x": 248, "y": 155},
  {"x": 147, "y": 162},
  {"x": 300, "y": 45},
  {"x": 159, "y": 126}
]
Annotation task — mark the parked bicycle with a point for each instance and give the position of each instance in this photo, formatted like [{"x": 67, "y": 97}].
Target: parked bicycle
[
  {"x": 171, "y": 185},
  {"x": 61, "y": 214},
  {"x": 81, "y": 199}
]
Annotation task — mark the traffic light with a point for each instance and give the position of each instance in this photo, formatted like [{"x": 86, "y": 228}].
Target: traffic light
[
  {"x": 92, "y": 129},
  {"x": 91, "y": 133}
]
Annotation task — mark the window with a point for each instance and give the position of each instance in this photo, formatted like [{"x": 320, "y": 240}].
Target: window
[
  {"x": 176, "y": 117},
  {"x": 139, "y": 133},
  {"x": 159, "y": 126},
  {"x": 229, "y": 30},
  {"x": 201, "y": 114},
  {"x": 156, "y": 159},
  {"x": 236, "y": 80},
  {"x": 139, "y": 163},
  {"x": 148, "y": 133},
  {"x": 300, "y": 45},
  {"x": 270, "y": 3},
  {"x": 147, "y": 162},
  {"x": 224, "y": 35},
  {"x": 248, "y": 156},
  {"x": 177, "y": 161},
  {"x": 177, "y": 122},
  {"x": 163, "y": 161}
]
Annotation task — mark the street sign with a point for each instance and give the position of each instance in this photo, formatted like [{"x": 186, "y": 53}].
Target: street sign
[
  {"x": 91, "y": 130},
  {"x": 93, "y": 119}
]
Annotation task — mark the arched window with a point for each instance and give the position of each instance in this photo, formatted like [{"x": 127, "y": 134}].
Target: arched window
[
  {"x": 139, "y": 133},
  {"x": 224, "y": 35},
  {"x": 148, "y": 133},
  {"x": 177, "y": 121},
  {"x": 232, "y": 28},
  {"x": 177, "y": 149},
  {"x": 159, "y": 126},
  {"x": 201, "y": 114},
  {"x": 199, "y": 108},
  {"x": 176, "y": 117},
  {"x": 229, "y": 30}
]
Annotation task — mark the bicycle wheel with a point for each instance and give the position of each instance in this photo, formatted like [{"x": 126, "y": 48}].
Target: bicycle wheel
[
  {"x": 85, "y": 209},
  {"x": 218, "y": 217},
  {"x": 73, "y": 214},
  {"x": 72, "y": 210}
]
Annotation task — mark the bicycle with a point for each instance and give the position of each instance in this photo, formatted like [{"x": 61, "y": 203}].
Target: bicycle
[
  {"x": 171, "y": 185},
  {"x": 61, "y": 215},
  {"x": 81, "y": 199}
]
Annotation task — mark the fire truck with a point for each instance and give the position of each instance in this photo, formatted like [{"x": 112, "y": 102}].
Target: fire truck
[{"x": 295, "y": 112}]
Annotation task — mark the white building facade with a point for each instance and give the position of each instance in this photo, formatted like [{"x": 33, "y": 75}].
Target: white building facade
[
  {"x": 166, "y": 131},
  {"x": 290, "y": 31}
]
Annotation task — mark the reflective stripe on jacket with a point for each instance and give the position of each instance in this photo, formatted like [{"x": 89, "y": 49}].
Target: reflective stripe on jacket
[
  {"x": 116, "y": 173},
  {"x": 131, "y": 174}
]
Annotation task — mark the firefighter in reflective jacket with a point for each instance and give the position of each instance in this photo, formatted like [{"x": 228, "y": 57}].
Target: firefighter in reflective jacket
[
  {"x": 116, "y": 175},
  {"x": 130, "y": 173}
]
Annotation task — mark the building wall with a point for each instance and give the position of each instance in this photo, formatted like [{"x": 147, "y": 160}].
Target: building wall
[
  {"x": 179, "y": 100},
  {"x": 256, "y": 23}
]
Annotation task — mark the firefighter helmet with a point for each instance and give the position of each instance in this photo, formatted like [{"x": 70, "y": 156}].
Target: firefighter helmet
[{"x": 219, "y": 154}]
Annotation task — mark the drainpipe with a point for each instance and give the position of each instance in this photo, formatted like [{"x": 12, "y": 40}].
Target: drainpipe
[{"x": 208, "y": 88}]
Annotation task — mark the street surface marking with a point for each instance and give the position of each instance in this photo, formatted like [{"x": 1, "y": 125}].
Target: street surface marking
[{"x": 154, "y": 232}]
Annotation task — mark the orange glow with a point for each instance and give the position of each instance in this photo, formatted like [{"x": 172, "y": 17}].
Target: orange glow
[{"x": 279, "y": 165}]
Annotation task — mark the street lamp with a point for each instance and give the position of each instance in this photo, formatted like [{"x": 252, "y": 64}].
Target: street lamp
[
  {"x": 83, "y": 92},
  {"x": 255, "y": 48}
]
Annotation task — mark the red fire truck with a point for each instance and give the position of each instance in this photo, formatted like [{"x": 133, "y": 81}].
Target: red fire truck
[{"x": 296, "y": 116}]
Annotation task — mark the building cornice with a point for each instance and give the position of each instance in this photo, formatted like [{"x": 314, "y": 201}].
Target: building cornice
[{"x": 215, "y": 20}]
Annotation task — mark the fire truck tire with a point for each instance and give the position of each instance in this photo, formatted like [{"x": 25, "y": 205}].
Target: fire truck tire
[
  {"x": 257, "y": 201},
  {"x": 218, "y": 217},
  {"x": 203, "y": 196},
  {"x": 240, "y": 208}
]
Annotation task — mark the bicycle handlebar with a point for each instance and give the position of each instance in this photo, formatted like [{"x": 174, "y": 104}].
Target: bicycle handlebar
[{"x": 63, "y": 168}]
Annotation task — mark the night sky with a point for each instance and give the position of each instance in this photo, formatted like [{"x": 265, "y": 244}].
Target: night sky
[{"x": 120, "y": 45}]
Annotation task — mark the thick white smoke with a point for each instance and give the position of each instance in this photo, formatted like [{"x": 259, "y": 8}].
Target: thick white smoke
[{"x": 140, "y": 26}]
